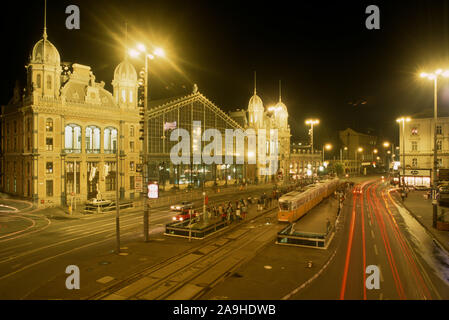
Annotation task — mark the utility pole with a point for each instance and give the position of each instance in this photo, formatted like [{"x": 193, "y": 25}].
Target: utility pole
[
  {"x": 117, "y": 191},
  {"x": 145, "y": 151},
  {"x": 435, "y": 157}
]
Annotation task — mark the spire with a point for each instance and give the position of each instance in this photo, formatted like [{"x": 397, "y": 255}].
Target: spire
[
  {"x": 45, "y": 21},
  {"x": 126, "y": 40},
  {"x": 255, "y": 91},
  {"x": 280, "y": 91}
]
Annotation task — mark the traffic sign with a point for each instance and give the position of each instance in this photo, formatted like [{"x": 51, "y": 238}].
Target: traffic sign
[{"x": 153, "y": 190}]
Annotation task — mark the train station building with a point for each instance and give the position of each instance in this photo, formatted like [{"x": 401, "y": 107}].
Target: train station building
[{"x": 65, "y": 138}]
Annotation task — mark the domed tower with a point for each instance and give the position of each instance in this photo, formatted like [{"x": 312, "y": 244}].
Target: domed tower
[
  {"x": 281, "y": 113},
  {"x": 44, "y": 68},
  {"x": 255, "y": 109},
  {"x": 125, "y": 85}
]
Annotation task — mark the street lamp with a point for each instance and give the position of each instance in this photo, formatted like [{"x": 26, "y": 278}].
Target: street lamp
[
  {"x": 148, "y": 56},
  {"x": 434, "y": 76},
  {"x": 403, "y": 120},
  {"x": 360, "y": 149},
  {"x": 327, "y": 146},
  {"x": 386, "y": 145},
  {"x": 312, "y": 122}
]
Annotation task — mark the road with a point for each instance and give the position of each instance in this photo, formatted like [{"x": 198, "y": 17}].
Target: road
[
  {"x": 378, "y": 231},
  {"x": 34, "y": 250}
]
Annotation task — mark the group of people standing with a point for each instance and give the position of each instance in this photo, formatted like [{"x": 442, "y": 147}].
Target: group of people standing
[{"x": 229, "y": 212}]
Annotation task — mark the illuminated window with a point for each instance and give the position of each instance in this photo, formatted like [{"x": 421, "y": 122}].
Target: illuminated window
[
  {"x": 72, "y": 136},
  {"x": 130, "y": 96},
  {"x": 49, "y": 167},
  {"x": 131, "y": 165},
  {"x": 49, "y": 144},
  {"x": 49, "y": 125},
  {"x": 110, "y": 140},
  {"x": 414, "y": 131},
  {"x": 123, "y": 95},
  {"x": 92, "y": 139}
]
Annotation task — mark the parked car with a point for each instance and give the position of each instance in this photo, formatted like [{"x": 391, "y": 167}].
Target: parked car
[{"x": 181, "y": 206}]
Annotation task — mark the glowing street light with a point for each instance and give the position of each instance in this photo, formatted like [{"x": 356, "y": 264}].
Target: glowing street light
[
  {"x": 327, "y": 146},
  {"x": 148, "y": 56},
  {"x": 403, "y": 120},
  {"x": 312, "y": 122},
  {"x": 434, "y": 77}
]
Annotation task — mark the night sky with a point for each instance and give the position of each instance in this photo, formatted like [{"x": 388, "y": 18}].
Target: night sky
[{"x": 322, "y": 52}]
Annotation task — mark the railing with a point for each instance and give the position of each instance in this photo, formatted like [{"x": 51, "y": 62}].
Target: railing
[
  {"x": 181, "y": 229},
  {"x": 72, "y": 150},
  {"x": 300, "y": 238},
  {"x": 92, "y": 150}
]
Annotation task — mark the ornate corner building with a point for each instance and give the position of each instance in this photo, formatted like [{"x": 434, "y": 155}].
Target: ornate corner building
[{"x": 60, "y": 138}]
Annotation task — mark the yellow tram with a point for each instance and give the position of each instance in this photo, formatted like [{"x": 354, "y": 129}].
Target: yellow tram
[{"x": 295, "y": 204}]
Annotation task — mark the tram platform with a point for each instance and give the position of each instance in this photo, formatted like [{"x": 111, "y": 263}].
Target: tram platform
[{"x": 314, "y": 229}]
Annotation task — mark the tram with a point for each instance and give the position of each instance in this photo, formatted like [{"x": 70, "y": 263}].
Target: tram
[{"x": 295, "y": 204}]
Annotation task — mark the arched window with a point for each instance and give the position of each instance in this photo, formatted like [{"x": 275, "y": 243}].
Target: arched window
[
  {"x": 49, "y": 125},
  {"x": 110, "y": 140},
  {"x": 130, "y": 96},
  {"x": 123, "y": 95},
  {"x": 38, "y": 81},
  {"x": 131, "y": 131},
  {"x": 72, "y": 141},
  {"x": 49, "y": 82},
  {"x": 92, "y": 139}
]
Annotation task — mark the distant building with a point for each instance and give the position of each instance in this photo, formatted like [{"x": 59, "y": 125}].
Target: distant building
[{"x": 419, "y": 141}]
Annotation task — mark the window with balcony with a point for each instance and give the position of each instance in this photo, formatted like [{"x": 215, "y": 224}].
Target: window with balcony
[
  {"x": 110, "y": 140},
  {"x": 92, "y": 139},
  {"x": 72, "y": 138}
]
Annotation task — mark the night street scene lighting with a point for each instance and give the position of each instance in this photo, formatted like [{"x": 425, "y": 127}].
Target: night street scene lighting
[{"x": 215, "y": 159}]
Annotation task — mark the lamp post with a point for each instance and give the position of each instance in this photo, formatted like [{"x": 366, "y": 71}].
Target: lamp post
[
  {"x": 134, "y": 53},
  {"x": 312, "y": 122},
  {"x": 360, "y": 149},
  {"x": 434, "y": 76},
  {"x": 327, "y": 146},
  {"x": 386, "y": 145},
  {"x": 403, "y": 120}
]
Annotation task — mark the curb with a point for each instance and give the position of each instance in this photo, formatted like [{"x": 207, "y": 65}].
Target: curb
[{"x": 428, "y": 230}]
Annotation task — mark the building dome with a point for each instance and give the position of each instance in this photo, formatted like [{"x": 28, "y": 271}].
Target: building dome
[
  {"x": 51, "y": 53},
  {"x": 125, "y": 71},
  {"x": 255, "y": 103},
  {"x": 280, "y": 106}
]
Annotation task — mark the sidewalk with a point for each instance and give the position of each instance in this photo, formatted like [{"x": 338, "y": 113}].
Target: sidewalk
[{"x": 422, "y": 210}]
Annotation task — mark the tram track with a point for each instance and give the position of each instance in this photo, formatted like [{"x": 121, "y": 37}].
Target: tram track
[{"x": 169, "y": 277}]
